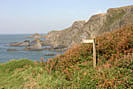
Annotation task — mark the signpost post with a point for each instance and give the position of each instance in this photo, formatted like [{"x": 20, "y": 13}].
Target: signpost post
[
  {"x": 94, "y": 50},
  {"x": 94, "y": 53}
]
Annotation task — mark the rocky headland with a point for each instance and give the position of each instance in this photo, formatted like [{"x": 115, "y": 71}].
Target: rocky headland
[{"x": 98, "y": 24}]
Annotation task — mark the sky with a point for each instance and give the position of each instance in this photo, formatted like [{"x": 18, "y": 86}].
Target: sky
[{"x": 42, "y": 16}]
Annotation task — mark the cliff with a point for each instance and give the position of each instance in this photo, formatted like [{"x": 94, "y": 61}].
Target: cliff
[{"x": 96, "y": 25}]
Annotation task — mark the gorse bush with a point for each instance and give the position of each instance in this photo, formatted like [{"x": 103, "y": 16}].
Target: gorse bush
[
  {"x": 116, "y": 44},
  {"x": 110, "y": 46},
  {"x": 112, "y": 49}
]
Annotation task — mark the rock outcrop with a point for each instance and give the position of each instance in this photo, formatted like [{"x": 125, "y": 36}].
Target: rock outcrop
[
  {"x": 20, "y": 44},
  {"x": 96, "y": 25},
  {"x": 34, "y": 45}
]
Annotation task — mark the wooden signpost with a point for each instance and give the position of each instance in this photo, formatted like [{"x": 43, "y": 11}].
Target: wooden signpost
[{"x": 94, "y": 50}]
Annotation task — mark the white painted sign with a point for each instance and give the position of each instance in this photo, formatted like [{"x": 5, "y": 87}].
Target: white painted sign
[{"x": 88, "y": 41}]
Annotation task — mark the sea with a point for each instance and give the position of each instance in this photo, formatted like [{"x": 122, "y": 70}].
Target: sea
[{"x": 6, "y": 56}]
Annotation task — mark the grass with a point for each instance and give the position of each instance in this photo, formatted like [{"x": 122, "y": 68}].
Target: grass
[
  {"x": 83, "y": 78},
  {"x": 26, "y": 74}
]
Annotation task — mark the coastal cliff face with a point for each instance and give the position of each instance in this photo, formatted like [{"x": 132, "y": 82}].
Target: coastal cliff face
[
  {"x": 96, "y": 25},
  {"x": 65, "y": 37}
]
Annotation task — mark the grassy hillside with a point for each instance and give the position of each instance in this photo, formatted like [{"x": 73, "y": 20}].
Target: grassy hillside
[{"x": 73, "y": 69}]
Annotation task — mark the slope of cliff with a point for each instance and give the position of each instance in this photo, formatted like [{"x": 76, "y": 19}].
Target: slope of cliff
[{"x": 96, "y": 25}]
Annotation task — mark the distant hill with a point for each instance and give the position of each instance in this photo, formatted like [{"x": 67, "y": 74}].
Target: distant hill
[{"x": 96, "y": 25}]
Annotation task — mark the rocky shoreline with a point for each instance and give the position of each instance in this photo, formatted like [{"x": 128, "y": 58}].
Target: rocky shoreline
[
  {"x": 95, "y": 26},
  {"x": 34, "y": 45}
]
